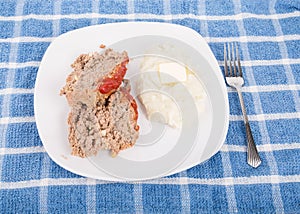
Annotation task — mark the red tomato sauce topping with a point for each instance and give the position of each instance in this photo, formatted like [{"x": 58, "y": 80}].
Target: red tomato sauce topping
[
  {"x": 134, "y": 106},
  {"x": 111, "y": 83}
]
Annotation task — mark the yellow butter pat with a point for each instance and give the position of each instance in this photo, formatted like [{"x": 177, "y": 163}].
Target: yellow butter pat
[{"x": 172, "y": 72}]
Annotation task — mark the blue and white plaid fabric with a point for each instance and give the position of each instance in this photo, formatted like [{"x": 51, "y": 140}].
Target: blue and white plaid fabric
[{"x": 269, "y": 37}]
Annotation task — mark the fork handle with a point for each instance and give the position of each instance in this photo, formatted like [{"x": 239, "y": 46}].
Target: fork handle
[{"x": 253, "y": 158}]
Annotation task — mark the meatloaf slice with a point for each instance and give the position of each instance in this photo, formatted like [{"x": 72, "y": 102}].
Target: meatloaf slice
[
  {"x": 103, "y": 114},
  {"x": 112, "y": 126},
  {"x": 119, "y": 122},
  {"x": 90, "y": 71}
]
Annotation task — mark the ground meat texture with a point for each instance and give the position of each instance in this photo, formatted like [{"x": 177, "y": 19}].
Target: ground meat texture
[
  {"x": 96, "y": 120},
  {"x": 121, "y": 131}
]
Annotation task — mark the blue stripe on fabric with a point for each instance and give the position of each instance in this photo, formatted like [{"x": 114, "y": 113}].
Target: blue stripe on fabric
[
  {"x": 277, "y": 102},
  {"x": 288, "y": 28},
  {"x": 76, "y": 7},
  {"x": 291, "y": 199},
  {"x": 21, "y": 105},
  {"x": 268, "y": 75},
  {"x": 67, "y": 199},
  {"x": 234, "y": 104},
  {"x": 72, "y": 24},
  {"x": 206, "y": 198},
  {"x": 7, "y": 8},
  {"x": 56, "y": 171},
  {"x": 240, "y": 168},
  {"x": 191, "y": 23},
  {"x": 5, "y": 50},
  {"x": 264, "y": 50},
  {"x": 7, "y": 29},
  {"x": 19, "y": 200},
  {"x": 169, "y": 204},
  {"x": 224, "y": 7},
  {"x": 287, "y": 6},
  {"x": 25, "y": 77},
  {"x": 1, "y": 104},
  {"x": 36, "y": 7},
  {"x": 22, "y": 135},
  {"x": 36, "y": 28},
  {"x": 209, "y": 169},
  {"x": 105, "y": 20},
  {"x": 112, "y": 7},
  {"x": 176, "y": 175},
  {"x": 115, "y": 198},
  {"x": 222, "y": 28},
  {"x": 152, "y": 7},
  {"x": 218, "y": 51},
  {"x": 296, "y": 71},
  {"x": 3, "y": 75},
  {"x": 255, "y": 7},
  {"x": 254, "y": 198},
  {"x": 283, "y": 131},
  {"x": 288, "y": 161},
  {"x": 236, "y": 131},
  {"x": 184, "y": 7},
  {"x": 291, "y": 47},
  {"x": 31, "y": 51},
  {"x": 258, "y": 27},
  {"x": 21, "y": 167},
  {"x": 149, "y": 20}
]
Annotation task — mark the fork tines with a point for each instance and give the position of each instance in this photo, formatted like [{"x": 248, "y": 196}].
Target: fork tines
[{"x": 232, "y": 60}]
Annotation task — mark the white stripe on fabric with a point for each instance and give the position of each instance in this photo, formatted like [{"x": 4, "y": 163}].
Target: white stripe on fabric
[
  {"x": 203, "y": 24},
  {"x": 261, "y": 148},
  {"x": 258, "y": 39},
  {"x": 91, "y": 194},
  {"x": 271, "y": 161},
  {"x": 19, "y": 65},
  {"x": 251, "y": 63},
  {"x": 167, "y": 9},
  {"x": 27, "y": 39},
  {"x": 266, "y": 88},
  {"x": 138, "y": 197},
  {"x": 130, "y": 9},
  {"x": 10, "y": 78},
  {"x": 265, "y": 117},
  {"x": 16, "y": 91},
  {"x": 264, "y": 179},
  {"x": 43, "y": 199},
  {"x": 284, "y": 54},
  {"x": 224, "y": 148},
  {"x": 228, "y": 182},
  {"x": 150, "y": 16},
  {"x": 95, "y": 10},
  {"x": 24, "y": 150},
  {"x": 7, "y": 120},
  {"x": 184, "y": 193}
]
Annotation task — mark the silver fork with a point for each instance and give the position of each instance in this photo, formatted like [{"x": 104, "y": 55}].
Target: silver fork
[{"x": 234, "y": 79}]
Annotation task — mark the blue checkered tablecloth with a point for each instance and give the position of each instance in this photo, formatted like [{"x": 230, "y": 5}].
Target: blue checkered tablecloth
[{"x": 269, "y": 37}]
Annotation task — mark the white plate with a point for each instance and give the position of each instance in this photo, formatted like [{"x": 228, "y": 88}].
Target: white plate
[{"x": 201, "y": 135}]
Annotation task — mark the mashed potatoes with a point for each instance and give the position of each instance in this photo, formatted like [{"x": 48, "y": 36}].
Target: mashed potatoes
[{"x": 160, "y": 89}]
